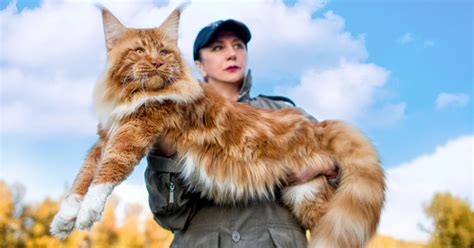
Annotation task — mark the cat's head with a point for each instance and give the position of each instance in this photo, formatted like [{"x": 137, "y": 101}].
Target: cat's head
[{"x": 141, "y": 60}]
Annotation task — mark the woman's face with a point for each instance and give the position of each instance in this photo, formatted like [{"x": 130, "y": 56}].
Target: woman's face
[{"x": 224, "y": 60}]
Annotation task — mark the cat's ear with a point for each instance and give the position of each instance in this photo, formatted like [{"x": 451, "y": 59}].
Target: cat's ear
[
  {"x": 113, "y": 29},
  {"x": 171, "y": 25}
]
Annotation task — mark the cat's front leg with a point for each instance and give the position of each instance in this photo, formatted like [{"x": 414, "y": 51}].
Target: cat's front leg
[
  {"x": 63, "y": 222},
  {"x": 93, "y": 205},
  {"x": 124, "y": 149}
]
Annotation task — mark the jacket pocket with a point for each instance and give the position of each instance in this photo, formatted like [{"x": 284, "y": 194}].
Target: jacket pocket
[
  {"x": 166, "y": 190},
  {"x": 287, "y": 238},
  {"x": 158, "y": 185}
]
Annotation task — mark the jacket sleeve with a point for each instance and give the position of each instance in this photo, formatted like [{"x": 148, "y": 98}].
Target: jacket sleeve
[
  {"x": 306, "y": 114},
  {"x": 278, "y": 102},
  {"x": 172, "y": 206}
]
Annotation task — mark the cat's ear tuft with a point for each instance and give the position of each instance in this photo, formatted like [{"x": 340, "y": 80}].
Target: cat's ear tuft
[
  {"x": 171, "y": 25},
  {"x": 113, "y": 29}
]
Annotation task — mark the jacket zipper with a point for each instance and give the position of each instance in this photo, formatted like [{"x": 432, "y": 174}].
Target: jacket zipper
[{"x": 172, "y": 186}]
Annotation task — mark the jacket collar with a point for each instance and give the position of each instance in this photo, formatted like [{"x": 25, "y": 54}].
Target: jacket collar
[{"x": 244, "y": 93}]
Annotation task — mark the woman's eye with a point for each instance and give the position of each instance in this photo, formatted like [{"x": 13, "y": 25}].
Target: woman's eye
[
  {"x": 239, "y": 46},
  {"x": 216, "y": 48},
  {"x": 140, "y": 51}
]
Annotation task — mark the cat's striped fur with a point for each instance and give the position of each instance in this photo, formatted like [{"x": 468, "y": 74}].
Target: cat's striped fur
[{"x": 233, "y": 152}]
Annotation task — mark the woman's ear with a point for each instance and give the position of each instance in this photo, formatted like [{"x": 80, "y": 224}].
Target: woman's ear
[{"x": 200, "y": 68}]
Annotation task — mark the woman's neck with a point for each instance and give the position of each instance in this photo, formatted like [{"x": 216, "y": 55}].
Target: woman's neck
[{"x": 227, "y": 90}]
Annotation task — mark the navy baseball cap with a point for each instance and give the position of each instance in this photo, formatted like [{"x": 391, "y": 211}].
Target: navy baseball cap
[{"x": 208, "y": 33}]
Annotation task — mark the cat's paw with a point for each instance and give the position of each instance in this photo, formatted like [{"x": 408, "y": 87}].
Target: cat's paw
[
  {"x": 63, "y": 222},
  {"x": 93, "y": 206},
  {"x": 60, "y": 227},
  {"x": 87, "y": 216}
]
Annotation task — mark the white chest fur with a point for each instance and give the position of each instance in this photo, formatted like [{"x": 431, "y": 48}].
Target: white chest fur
[{"x": 110, "y": 112}]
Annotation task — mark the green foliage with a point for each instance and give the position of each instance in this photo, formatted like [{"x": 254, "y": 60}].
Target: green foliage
[{"x": 453, "y": 221}]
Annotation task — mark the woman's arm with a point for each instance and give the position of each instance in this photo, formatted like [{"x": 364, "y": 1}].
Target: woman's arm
[{"x": 171, "y": 205}]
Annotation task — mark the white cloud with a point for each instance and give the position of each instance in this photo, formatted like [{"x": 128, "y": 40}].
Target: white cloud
[
  {"x": 346, "y": 92},
  {"x": 419, "y": 42},
  {"x": 340, "y": 92},
  {"x": 52, "y": 55},
  {"x": 131, "y": 193},
  {"x": 428, "y": 43},
  {"x": 44, "y": 105},
  {"x": 386, "y": 115},
  {"x": 405, "y": 38},
  {"x": 445, "y": 100},
  {"x": 412, "y": 185},
  {"x": 285, "y": 40},
  {"x": 56, "y": 38}
]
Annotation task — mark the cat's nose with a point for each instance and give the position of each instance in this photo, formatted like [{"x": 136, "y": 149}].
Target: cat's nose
[{"x": 157, "y": 63}]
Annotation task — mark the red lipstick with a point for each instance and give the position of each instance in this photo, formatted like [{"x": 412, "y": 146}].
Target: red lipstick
[{"x": 232, "y": 68}]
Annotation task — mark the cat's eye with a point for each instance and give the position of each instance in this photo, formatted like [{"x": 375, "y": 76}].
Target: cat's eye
[
  {"x": 140, "y": 51},
  {"x": 163, "y": 53}
]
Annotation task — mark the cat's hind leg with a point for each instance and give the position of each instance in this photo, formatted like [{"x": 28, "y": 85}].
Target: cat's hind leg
[
  {"x": 63, "y": 222},
  {"x": 309, "y": 201}
]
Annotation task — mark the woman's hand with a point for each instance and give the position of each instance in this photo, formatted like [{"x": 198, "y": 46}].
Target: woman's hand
[
  {"x": 299, "y": 177},
  {"x": 164, "y": 148}
]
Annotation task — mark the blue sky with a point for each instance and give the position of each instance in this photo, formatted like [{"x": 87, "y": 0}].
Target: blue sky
[
  {"x": 418, "y": 73},
  {"x": 402, "y": 71}
]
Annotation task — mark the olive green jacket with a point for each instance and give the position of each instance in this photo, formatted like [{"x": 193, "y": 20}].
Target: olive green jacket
[{"x": 197, "y": 222}]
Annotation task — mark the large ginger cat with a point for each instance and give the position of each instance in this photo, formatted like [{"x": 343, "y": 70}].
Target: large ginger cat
[{"x": 232, "y": 152}]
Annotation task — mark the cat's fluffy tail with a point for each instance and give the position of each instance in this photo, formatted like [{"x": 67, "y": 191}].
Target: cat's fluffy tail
[{"x": 353, "y": 212}]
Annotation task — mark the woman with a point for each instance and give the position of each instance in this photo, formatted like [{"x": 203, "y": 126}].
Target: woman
[{"x": 220, "y": 54}]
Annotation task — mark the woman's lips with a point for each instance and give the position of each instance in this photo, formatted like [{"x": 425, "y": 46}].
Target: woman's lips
[{"x": 232, "y": 68}]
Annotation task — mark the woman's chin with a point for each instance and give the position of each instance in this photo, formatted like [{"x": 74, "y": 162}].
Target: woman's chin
[{"x": 234, "y": 79}]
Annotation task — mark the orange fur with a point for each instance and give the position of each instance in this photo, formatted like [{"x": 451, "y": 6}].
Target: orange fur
[{"x": 232, "y": 152}]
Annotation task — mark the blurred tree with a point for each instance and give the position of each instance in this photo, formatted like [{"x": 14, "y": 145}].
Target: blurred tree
[
  {"x": 77, "y": 239},
  {"x": 130, "y": 233},
  {"x": 382, "y": 241},
  {"x": 104, "y": 233},
  {"x": 37, "y": 220},
  {"x": 9, "y": 226},
  {"x": 453, "y": 221},
  {"x": 12, "y": 215},
  {"x": 27, "y": 225},
  {"x": 156, "y": 236}
]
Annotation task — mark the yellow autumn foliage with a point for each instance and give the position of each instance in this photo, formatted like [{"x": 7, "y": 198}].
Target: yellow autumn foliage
[
  {"x": 27, "y": 225},
  {"x": 383, "y": 241},
  {"x": 453, "y": 221}
]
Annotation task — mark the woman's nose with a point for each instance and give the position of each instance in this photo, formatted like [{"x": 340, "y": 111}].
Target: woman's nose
[{"x": 231, "y": 54}]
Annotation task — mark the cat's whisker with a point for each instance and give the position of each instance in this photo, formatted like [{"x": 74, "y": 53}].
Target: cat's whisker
[{"x": 142, "y": 82}]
